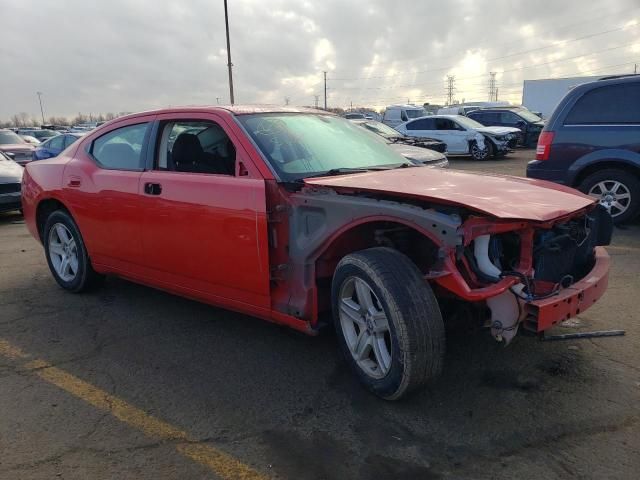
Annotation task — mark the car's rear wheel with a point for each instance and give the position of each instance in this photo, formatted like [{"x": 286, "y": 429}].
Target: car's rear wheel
[
  {"x": 67, "y": 255},
  {"x": 478, "y": 153},
  {"x": 388, "y": 322},
  {"x": 616, "y": 190}
]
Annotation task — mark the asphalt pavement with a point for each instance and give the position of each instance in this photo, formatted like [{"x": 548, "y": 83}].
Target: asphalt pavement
[{"x": 130, "y": 382}]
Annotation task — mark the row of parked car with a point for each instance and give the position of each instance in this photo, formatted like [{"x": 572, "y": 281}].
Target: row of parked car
[{"x": 591, "y": 141}]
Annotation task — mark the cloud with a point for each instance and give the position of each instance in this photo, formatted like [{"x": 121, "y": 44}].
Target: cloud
[{"x": 129, "y": 55}]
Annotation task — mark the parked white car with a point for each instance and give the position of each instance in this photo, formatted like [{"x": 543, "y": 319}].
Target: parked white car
[
  {"x": 394, "y": 115},
  {"x": 462, "y": 135}
]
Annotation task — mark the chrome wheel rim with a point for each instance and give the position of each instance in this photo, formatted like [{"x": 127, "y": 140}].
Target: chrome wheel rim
[
  {"x": 612, "y": 195},
  {"x": 477, "y": 153},
  {"x": 365, "y": 327},
  {"x": 63, "y": 252}
]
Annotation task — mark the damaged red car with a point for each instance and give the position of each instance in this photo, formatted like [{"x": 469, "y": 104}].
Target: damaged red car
[{"x": 301, "y": 218}]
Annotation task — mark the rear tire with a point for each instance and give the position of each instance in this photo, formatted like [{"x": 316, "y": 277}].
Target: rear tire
[
  {"x": 388, "y": 322},
  {"x": 618, "y": 191},
  {"x": 67, "y": 255}
]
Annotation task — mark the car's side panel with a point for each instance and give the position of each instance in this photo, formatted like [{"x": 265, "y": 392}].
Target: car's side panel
[{"x": 104, "y": 201}]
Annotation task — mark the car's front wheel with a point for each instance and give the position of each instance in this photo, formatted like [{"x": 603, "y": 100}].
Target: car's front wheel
[
  {"x": 616, "y": 190},
  {"x": 67, "y": 255},
  {"x": 478, "y": 153},
  {"x": 388, "y": 322}
]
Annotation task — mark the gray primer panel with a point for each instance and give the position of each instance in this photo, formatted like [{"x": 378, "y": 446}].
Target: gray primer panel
[{"x": 317, "y": 214}]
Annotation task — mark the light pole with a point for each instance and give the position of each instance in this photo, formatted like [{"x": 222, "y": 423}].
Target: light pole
[
  {"x": 41, "y": 109},
  {"x": 229, "y": 64}
]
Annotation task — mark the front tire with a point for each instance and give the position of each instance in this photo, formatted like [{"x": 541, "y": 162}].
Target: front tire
[
  {"x": 616, "y": 190},
  {"x": 478, "y": 153},
  {"x": 388, "y": 322},
  {"x": 67, "y": 255}
]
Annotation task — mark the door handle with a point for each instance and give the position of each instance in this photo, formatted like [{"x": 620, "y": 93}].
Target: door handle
[{"x": 152, "y": 188}]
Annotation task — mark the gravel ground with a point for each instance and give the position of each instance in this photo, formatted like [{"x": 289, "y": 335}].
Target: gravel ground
[{"x": 130, "y": 382}]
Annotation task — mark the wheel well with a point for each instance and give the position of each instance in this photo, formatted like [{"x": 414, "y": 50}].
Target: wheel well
[
  {"x": 44, "y": 209},
  {"x": 584, "y": 173},
  {"x": 420, "y": 249}
]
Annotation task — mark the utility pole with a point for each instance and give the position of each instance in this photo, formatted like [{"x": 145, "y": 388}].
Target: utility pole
[
  {"x": 286, "y": 100},
  {"x": 451, "y": 88},
  {"x": 317, "y": 97},
  {"x": 229, "y": 64},
  {"x": 492, "y": 87},
  {"x": 351, "y": 106},
  {"x": 635, "y": 68},
  {"x": 325, "y": 90},
  {"x": 41, "y": 109},
  {"x": 217, "y": 100}
]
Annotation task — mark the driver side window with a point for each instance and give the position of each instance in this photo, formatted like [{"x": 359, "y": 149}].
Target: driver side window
[{"x": 196, "y": 146}]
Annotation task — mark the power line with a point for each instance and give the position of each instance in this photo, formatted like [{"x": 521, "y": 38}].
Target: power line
[{"x": 558, "y": 44}]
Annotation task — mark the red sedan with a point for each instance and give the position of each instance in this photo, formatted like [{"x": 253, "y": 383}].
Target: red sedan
[{"x": 302, "y": 218}]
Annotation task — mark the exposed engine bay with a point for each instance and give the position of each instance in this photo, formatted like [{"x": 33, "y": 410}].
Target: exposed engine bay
[{"x": 560, "y": 256}]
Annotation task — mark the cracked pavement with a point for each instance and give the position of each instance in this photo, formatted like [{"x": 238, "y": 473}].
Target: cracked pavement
[{"x": 287, "y": 406}]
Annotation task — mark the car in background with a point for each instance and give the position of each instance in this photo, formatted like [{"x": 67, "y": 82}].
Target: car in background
[
  {"x": 31, "y": 140},
  {"x": 397, "y": 138},
  {"x": 52, "y": 147},
  {"x": 463, "y": 135},
  {"x": 518, "y": 117},
  {"x": 457, "y": 110},
  {"x": 416, "y": 152},
  {"x": 10, "y": 184},
  {"x": 14, "y": 147},
  {"x": 354, "y": 116},
  {"x": 394, "y": 115},
  {"x": 39, "y": 133},
  {"x": 592, "y": 142}
]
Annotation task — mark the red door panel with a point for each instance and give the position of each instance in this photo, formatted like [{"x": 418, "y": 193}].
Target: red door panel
[{"x": 207, "y": 233}]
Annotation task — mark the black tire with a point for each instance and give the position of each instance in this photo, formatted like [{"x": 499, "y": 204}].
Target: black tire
[
  {"x": 415, "y": 326},
  {"x": 478, "y": 153},
  {"x": 492, "y": 151},
  {"x": 85, "y": 277},
  {"x": 628, "y": 181}
]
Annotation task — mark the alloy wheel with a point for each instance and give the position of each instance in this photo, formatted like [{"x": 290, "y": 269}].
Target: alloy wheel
[
  {"x": 63, "y": 252},
  {"x": 612, "y": 195},
  {"x": 366, "y": 327}
]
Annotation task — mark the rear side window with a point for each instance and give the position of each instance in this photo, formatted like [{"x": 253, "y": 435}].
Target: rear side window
[
  {"x": 422, "y": 124},
  {"x": 121, "y": 149},
  {"x": 56, "y": 142},
  {"x": 612, "y": 104}
]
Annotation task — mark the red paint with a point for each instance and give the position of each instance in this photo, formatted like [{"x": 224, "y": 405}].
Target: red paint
[
  {"x": 224, "y": 239},
  {"x": 497, "y": 195},
  {"x": 575, "y": 300}
]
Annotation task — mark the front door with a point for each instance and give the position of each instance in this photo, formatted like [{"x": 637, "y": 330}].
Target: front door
[{"x": 204, "y": 203}]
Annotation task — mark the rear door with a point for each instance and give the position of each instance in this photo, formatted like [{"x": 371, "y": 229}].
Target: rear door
[
  {"x": 100, "y": 184},
  {"x": 204, "y": 208}
]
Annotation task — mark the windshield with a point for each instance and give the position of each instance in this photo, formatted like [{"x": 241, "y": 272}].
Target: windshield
[
  {"x": 381, "y": 129},
  {"x": 9, "y": 138},
  {"x": 304, "y": 145},
  {"x": 416, "y": 113},
  {"x": 44, "y": 133},
  {"x": 467, "y": 122},
  {"x": 528, "y": 115}
]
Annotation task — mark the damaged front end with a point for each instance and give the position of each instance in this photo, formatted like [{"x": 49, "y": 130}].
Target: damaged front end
[{"x": 532, "y": 274}]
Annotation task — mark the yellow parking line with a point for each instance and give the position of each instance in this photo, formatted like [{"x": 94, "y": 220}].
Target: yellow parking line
[{"x": 222, "y": 464}]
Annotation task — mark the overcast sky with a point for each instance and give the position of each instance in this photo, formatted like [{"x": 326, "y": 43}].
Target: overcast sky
[{"x": 103, "y": 56}]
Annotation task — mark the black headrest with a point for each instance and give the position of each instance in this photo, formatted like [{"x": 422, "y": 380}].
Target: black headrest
[{"x": 186, "y": 149}]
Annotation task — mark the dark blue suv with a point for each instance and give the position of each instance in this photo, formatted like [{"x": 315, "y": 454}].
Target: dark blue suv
[{"x": 592, "y": 142}]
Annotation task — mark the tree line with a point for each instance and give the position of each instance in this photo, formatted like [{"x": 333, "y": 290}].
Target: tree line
[{"x": 23, "y": 119}]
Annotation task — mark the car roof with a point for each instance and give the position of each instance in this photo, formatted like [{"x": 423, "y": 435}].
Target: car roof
[{"x": 233, "y": 109}]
